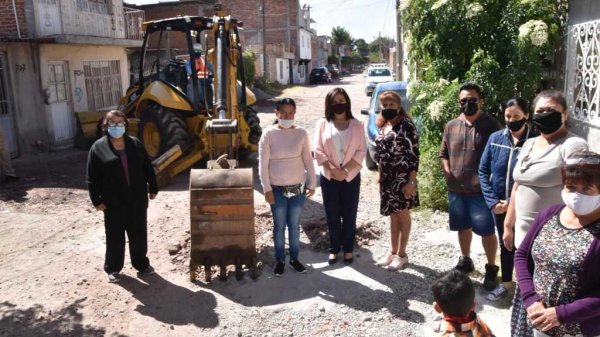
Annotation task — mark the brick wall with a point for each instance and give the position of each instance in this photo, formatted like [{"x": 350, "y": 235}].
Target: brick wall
[
  {"x": 169, "y": 10},
  {"x": 8, "y": 26}
]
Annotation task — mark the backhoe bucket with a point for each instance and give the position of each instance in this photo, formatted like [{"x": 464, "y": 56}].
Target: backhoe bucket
[{"x": 222, "y": 221}]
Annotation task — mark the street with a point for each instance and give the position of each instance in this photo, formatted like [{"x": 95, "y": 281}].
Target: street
[{"x": 52, "y": 282}]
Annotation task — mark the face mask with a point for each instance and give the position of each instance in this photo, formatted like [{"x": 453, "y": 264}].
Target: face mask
[
  {"x": 515, "y": 126},
  {"x": 116, "y": 131},
  {"x": 581, "y": 204},
  {"x": 339, "y": 108},
  {"x": 548, "y": 122},
  {"x": 286, "y": 123},
  {"x": 469, "y": 108},
  {"x": 389, "y": 114}
]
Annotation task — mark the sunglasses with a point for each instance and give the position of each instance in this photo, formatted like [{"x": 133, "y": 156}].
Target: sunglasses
[
  {"x": 111, "y": 124},
  {"x": 468, "y": 100}
]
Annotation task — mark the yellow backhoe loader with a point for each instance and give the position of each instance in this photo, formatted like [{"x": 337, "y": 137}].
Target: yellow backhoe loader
[
  {"x": 176, "y": 124},
  {"x": 180, "y": 123}
]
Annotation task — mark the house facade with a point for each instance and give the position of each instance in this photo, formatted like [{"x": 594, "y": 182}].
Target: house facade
[
  {"x": 582, "y": 70},
  {"x": 58, "y": 57}
]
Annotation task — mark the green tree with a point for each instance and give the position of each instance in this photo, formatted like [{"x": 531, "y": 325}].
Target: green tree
[
  {"x": 362, "y": 47},
  {"x": 340, "y": 36},
  {"x": 382, "y": 42}
]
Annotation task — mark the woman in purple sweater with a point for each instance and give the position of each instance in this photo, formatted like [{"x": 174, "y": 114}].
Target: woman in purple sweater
[{"x": 558, "y": 262}]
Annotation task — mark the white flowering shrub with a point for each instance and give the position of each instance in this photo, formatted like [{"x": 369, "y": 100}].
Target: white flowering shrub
[{"x": 499, "y": 44}]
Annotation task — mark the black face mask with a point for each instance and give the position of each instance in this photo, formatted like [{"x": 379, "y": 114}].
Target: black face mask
[
  {"x": 469, "y": 108},
  {"x": 548, "y": 122},
  {"x": 389, "y": 114},
  {"x": 339, "y": 108},
  {"x": 515, "y": 126}
]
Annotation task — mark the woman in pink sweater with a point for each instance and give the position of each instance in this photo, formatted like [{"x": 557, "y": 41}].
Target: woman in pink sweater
[
  {"x": 340, "y": 148},
  {"x": 287, "y": 176}
]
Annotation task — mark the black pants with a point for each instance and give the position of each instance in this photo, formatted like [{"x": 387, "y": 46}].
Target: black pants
[
  {"x": 340, "y": 199},
  {"x": 117, "y": 222},
  {"x": 507, "y": 258}
]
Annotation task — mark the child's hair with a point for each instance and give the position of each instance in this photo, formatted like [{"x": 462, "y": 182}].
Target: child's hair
[
  {"x": 284, "y": 101},
  {"x": 454, "y": 293}
]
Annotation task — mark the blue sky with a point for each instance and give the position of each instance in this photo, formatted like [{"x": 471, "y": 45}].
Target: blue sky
[{"x": 362, "y": 18}]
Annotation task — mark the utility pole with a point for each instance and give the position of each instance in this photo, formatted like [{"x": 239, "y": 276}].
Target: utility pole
[
  {"x": 262, "y": 29},
  {"x": 399, "y": 45}
]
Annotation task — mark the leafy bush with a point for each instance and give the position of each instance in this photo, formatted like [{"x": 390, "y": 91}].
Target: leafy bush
[
  {"x": 271, "y": 88},
  {"x": 500, "y": 44},
  {"x": 248, "y": 57}
]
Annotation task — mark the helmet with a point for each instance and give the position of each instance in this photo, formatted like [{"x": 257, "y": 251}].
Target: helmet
[{"x": 197, "y": 49}]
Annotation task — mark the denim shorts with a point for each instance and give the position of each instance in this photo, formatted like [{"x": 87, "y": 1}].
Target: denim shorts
[{"x": 470, "y": 211}]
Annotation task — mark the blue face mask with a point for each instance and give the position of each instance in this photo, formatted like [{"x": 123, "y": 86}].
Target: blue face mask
[{"x": 116, "y": 131}]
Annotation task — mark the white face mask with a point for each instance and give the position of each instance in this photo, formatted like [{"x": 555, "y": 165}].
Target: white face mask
[
  {"x": 286, "y": 123},
  {"x": 581, "y": 204}
]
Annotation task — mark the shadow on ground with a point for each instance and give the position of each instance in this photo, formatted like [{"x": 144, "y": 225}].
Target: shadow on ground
[
  {"x": 170, "y": 303},
  {"x": 361, "y": 286},
  {"x": 38, "y": 321}
]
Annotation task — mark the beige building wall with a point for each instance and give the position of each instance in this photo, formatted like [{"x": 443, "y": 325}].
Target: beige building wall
[{"x": 75, "y": 55}]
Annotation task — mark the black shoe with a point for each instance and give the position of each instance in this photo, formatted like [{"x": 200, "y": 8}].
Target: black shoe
[
  {"x": 332, "y": 261},
  {"x": 348, "y": 260},
  {"x": 298, "y": 267},
  {"x": 279, "y": 267},
  {"x": 489, "y": 281},
  {"x": 465, "y": 265}
]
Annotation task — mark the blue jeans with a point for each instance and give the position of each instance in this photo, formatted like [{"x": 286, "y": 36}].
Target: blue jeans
[{"x": 286, "y": 212}]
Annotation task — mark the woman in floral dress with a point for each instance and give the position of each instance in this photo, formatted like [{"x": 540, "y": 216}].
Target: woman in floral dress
[
  {"x": 398, "y": 158},
  {"x": 558, "y": 261}
]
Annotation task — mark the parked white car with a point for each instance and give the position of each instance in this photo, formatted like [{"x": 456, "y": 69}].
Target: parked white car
[{"x": 377, "y": 75}]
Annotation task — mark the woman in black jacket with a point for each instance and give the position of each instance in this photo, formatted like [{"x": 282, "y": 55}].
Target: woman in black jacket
[{"x": 120, "y": 179}]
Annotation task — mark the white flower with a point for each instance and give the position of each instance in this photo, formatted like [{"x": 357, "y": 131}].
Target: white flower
[
  {"x": 536, "y": 31},
  {"x": 404, "y": 4},
  {"x": 473, "y": 9},
  {"x": 443, "y": 82},
  {"x": 528, "y": 2},
  {"x": 421, "y": 96},
  {"x": 439, "y": 4},
  {"x": 436, "y": 109}
]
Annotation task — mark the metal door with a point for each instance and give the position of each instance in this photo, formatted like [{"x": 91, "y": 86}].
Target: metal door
[
  {"x": 57, "y": 91},
  {"x": 6, "y": 109}
]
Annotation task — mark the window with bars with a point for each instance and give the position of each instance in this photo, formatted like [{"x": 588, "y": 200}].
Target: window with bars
[
  {"x": 102, "y": 83},
  {"x": 57, "y": 85}
]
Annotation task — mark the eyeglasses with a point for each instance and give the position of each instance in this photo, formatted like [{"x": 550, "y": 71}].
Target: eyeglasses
[
  {"x": 468, "y": 100},
  {"x": 111, "y": 124}
]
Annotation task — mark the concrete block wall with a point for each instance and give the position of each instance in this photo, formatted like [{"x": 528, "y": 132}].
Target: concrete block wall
[{"x": 8, "y": 24}]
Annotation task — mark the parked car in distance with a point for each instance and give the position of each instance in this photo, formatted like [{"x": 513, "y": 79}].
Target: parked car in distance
[
  {"x": 320, "y": 74},
  {"x": 333, "y": 69},
  {"x": 377, "y": 75},
  {"x": 373, "y": 111}
]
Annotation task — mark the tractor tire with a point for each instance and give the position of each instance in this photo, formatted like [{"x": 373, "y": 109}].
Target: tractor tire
[
  {"x": 162, "y": 128},
  {"x": 253, "y": 122}
]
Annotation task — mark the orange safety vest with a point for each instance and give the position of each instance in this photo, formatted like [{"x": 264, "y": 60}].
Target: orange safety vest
[{"x": 201, "y": 67}]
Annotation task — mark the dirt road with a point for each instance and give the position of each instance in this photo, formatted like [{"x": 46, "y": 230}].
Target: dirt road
[{"x": 52, "y": 283}]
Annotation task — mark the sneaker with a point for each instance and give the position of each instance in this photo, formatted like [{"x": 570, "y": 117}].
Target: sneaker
[
  {"x": 491, "y": 274},
  {"x": 298, "y": 267},
  {"x": 114, "y": 277},
  {"x": 279, "y": 267},
  {"x": 398, "y": 263},
  {"x": 385, "y": 261},
  {"x": 148, "y": 271},
  {"x": 497, "y": 293},
  {"x": 465, "y": 265}
]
